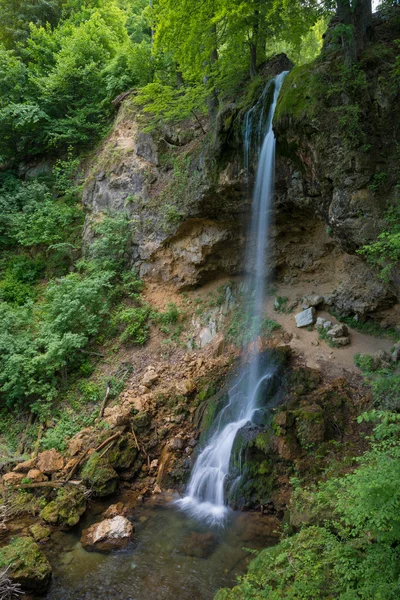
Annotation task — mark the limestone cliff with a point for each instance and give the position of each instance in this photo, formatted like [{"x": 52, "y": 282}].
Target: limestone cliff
[{"x": 185, "y": 189}]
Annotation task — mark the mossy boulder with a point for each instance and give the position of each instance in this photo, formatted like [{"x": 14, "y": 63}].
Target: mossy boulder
[
  {"x": 141, "y": 421},
  {"x": 123, "y": 454},
  {"x": 67, "y": 507},
  {"x": 39, "y": 532},
  {"x": 99, "y": 475},
  {"x": 27, "y": 565}
]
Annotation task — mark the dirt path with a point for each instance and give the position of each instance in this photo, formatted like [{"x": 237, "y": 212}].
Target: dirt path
[{"x": 317, "y": 353}]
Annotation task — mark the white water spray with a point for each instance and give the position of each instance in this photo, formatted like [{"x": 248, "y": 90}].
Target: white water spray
[{"x": 206, "y": 490}]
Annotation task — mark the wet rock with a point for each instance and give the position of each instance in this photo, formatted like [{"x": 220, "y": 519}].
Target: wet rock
[
  {"x": 200, "y": 545},
  {"x": 312, "y": 301},
  {"x": 36, "y": 476},
  {"x": 100, "y": 476},
  {"x": 305, "y": 318},
  {"x": 50, "y": 461},
  {"x": 67, "y": 507},
  {"x": 39, "y": 532},
  {"x": 108, "y": 535},
  {"x": 26, "y": 466},
  {"x": 27, "y": 564},
  {"x": 338, "y": 331},
  {"x": 114, "y": 510},
  {"x": 176, "y": 444},
  {"x": 12, "y": 478}
]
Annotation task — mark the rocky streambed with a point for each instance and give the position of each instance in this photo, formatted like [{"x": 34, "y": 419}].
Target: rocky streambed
[{"x": 167, "y": 556}]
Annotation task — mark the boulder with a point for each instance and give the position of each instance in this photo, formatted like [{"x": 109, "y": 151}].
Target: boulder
[
  {"x": 27, "y": 565},
  {"x": 36, "y": 476},
  {"x": 305, "y": 318},
  {"x": 100, "y": 476},
  {"x": 141, "y": 421},
  {"x": 12, "y": 478},
  {"x": 67, "y": 507},
  {"x": 114, "y": 510},
  {"x": 109, "y": 534},
  {"x": 338, "y": 331},
  {"x": 26, "y": 466},
  {"x": 310, "y": 301},
  {"x": 50, "y": 461},
  {"x": 123, "y": 453}
]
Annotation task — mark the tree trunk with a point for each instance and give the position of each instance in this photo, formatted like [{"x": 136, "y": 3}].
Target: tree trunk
[
  {"x": 212, "y": 100},
  {"x": 357, "y": 14}
]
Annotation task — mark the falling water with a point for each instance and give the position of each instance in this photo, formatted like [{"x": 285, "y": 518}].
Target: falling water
[{"x": 206, "y": 491}]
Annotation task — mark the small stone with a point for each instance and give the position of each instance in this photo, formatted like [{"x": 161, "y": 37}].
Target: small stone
[
  {"x": 36, "y": 476},
  {"x": 154, "y": 464},
  {"x": 186, "y": 387},
  {"x": 312, "y": 301},
  {"x": 150, "y": 378},
  {"x": 341, "y": 341},
  {"x": 320, "y": 322},
  {"x": 50, "y": 461},
  {"x": 328, "y": 325},
  {"x": 13, "y": 478},
  {"x": 26, "y": 466},
  {"x": 113, "y": 511},
  {"x": 315, "y": 343},
  {"x": 176, "y": 444},
  {"x": 305, "y": 318},
  {"x": 156, "y": 489},
  {"x": 338, "y": 331},
  {"x": 381, "y": 360}
]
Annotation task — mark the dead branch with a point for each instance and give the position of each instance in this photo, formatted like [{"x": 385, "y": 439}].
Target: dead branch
[
  {"x": 103, "y": 406},
  {"x": 45, "y": 484},
  {"x": 79, "y": 462},
  {"x": 8, "y": 589}
]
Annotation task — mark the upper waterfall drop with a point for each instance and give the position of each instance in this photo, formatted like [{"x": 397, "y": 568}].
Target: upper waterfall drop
[{"x": 206, "y": 490}]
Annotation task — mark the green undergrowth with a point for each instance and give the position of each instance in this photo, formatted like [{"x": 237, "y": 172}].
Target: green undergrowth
[{"x": 348, "y": 543}]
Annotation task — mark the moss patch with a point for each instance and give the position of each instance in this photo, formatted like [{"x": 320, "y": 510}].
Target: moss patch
[
  {"x": 66, "y": 509},
  {"x": 27, "y": 564},
  {"x": 100, "y": 476}
]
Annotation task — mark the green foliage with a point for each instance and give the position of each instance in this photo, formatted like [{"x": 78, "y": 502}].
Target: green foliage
[
  {"x": 135, "y": 324},
  {"x": 354, "y": 554},
  {"x": 384, "y": 254}
]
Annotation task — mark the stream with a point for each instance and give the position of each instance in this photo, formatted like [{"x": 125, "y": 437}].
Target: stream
[{"x": 157, "y": 565}]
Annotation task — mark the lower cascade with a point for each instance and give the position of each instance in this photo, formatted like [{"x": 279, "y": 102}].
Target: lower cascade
[{"x": 206, "y": 494}]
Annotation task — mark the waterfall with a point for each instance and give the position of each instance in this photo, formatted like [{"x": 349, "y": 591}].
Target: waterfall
[{"x": 206, "y": 490}]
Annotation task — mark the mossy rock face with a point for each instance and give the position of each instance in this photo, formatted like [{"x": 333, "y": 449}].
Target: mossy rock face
[
  {"x": 123, "y": 454},
  {"x": 27, "y": 565},
  {"x": 310, "y": 425},
  {"x": 99, "y": 475},
  {"x": 66, "y": 509}
]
